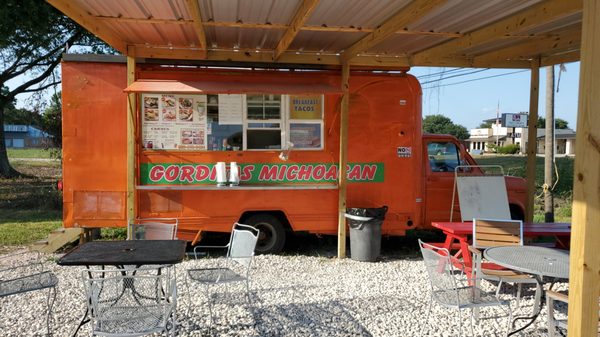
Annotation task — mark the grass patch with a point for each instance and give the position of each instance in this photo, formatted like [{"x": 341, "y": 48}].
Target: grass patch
[
  {"x": 23, "y": 227},
  {"x": 32, "y": 153},
  {"x": 113, "y": 233}
]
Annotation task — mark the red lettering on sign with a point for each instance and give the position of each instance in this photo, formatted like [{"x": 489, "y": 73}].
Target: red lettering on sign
[
  {"x": 292, "y": 172},
  {"x": 246, "y": 173},
  {"x": 354, "y": 172},
  {"x": 268, "y": 173},
  {"x": 202, "y": 172},
  {"x": 368, "y": 172},
  {"x": 171, "y": 173},
  {"x": 318, "y": 172},
  {"x": 186, "y": 173},
  {"x": 332, "y": 173},
  {"x": 304, "y": 172},
  {"x": 282, "y": 171},
  {"x": 213, "y": 173},
  {"x": 156, "y": 173}
]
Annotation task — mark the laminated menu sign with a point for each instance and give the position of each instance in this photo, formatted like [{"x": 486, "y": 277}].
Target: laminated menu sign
[
  {"x": 174, "y": 122},
  {"x": 306, "y": 107},
  {"x": 230, "y": 109}
]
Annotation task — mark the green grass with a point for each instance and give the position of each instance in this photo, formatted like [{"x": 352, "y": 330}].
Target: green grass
[
  {"x": 31, "y": 153},
  {"x": 23, "y": 227}
]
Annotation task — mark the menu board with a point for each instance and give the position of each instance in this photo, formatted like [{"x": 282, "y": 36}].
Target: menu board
[
  {"x": 174, "y": 122},
  {"x": 305, "y": 135},
  {"x": 231, "y": 109}
]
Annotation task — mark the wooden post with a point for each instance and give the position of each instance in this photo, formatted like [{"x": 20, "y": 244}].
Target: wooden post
[
  {"x": 131, "y": 111},
  {"x": 584, "y": 276},
  {"x": 343, "y": 160},
  {"x": 532, "y": 136},
  {"x": 549, "y": 147}
]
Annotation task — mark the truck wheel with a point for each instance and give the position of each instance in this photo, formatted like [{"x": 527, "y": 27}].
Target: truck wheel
[{"x": 272, "y": 234}]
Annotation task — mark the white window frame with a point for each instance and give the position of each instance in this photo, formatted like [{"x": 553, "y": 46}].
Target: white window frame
[{"x": 282, "y": 121}]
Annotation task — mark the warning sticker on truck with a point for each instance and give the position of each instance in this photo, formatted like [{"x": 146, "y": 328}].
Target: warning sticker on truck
[
  {"x": 404, "y": 151},
  {"x": 259, "y": 173}
]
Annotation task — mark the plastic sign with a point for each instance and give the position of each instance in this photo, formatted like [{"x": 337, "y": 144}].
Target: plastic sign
[
  {"x": 259, "y": 173},
  {"x": 404, "y": 151}
]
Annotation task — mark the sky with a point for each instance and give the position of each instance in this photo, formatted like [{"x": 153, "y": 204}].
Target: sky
[
  {"x": 478, "y": 96},
  {"x": 477, "y": 99}
]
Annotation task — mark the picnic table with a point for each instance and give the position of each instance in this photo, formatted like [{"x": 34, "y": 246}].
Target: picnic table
[{"x": 458, "y": 236}]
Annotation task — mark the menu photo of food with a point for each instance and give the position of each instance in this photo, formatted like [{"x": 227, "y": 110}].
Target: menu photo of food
[
  {"x": 186, "y": 109},
  {"x": 150, "y": 108},
  {"x": 168, "y": 114},
  {"x": 192, "y": 137},
  {"x": 168, "y": 101}
]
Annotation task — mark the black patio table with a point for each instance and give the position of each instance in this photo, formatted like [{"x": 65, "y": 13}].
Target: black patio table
[
  {"x": 129, "y": 252},
  {"x": 124, "y": 253}
]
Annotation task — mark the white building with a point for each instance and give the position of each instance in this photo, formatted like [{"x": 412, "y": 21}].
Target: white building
[{"x": 480, "y": 139}]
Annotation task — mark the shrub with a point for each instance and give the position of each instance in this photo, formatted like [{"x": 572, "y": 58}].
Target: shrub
[{"x": 508, "y": 149}]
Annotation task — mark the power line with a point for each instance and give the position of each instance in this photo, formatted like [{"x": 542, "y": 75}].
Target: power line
[
  {"x": 457, "y": 75},
  {"x": 441, "y": 73},
  {"x": 475, "y": 79}
]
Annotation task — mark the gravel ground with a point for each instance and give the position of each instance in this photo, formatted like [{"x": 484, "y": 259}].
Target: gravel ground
[{"x": 300, "y": 295}]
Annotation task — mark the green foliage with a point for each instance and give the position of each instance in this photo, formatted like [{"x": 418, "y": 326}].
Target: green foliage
[
  {"x": 440, "y": 124},
  {"x": 558, "y": 123},
  {"x": 113, "y": 233},
  {"x": 29, "y": 153},
  {"x": 508, "y": 149},
  {"x": 25, "y": 226},
  {"x": 485, "y": 125},
  {"x": 52, "y": 119}
]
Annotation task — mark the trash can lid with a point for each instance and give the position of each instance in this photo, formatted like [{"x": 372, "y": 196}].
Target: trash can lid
[{"x": 357, "y": 217}]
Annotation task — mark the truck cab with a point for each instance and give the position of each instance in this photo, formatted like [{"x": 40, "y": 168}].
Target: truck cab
[{"x": 442, "y": 154}]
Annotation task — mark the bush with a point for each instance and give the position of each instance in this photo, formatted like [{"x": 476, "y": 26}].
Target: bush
[{"x": 508, "y": 149}]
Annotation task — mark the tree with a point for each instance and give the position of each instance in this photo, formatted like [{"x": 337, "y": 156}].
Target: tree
[
  {"x": 485, "y": 125},
  {"x": 558, "y": 123},
  {"x": 33, "y": 36},
  {"x": 444, "y": 125},
  {"x": 52, "y": 119}
]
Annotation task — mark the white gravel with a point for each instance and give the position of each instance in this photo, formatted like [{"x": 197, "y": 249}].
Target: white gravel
[{"x": 293, "y": 296}]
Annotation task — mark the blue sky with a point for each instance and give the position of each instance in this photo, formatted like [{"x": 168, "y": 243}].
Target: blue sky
[{"x": 471, "y": 102}]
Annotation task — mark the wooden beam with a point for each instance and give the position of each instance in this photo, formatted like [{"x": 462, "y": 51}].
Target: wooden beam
[
  {"x": 412, "y": 12},
  {"x": 95, "y": 26},
  {"x": 342, "y": 181},
  {"x": 151, "y": 20},
  {"x": 533, "y": 16},
  {"x": 570, "y": 56},
  {"x": 567, "y": 41},
  {"x": 131, "y": 137},
  {"x": 302, "y": 14},
  {"x": 584, "y": 275},
  {"x": 194, "y": 10},
  {"x": 532, "y": 137}
]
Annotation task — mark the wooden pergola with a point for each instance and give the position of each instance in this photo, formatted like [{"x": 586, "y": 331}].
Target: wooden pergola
[{"x": 385, "y": 35}]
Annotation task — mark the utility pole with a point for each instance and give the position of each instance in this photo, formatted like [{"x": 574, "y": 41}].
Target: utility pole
[{"x": 549, "y": 147}]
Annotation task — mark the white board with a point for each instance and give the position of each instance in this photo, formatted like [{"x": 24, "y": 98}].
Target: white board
[{"x": 482, "y": 197}]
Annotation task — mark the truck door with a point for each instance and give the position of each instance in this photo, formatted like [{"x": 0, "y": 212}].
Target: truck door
[{"x": 442, "y": 158}]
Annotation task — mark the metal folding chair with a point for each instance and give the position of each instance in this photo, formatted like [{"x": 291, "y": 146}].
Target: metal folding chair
[
  {"x": 153, "y": 229},
  {"x": 131, "y": 302},
  {"x": 450, "y": 290},
  {"x": 236, "y": 267},
  {"x": 24, "y": 272}
]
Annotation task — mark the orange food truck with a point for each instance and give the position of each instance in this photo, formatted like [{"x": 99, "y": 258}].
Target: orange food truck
[{"x": 280, "y": 128}]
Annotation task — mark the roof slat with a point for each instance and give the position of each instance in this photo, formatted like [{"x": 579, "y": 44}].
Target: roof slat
[
  {"x": 194, "y": 10},
  {"x": 300, "y": 17}
]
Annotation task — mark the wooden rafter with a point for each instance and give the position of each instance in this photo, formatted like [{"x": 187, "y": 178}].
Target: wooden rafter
[
  {"x": 527, "y": 49},
  {"x": 231, "y": 24},
  {"x": 95, "y": 26},
  {"x": 408, "y": 14},
  {"x": 194, "y": 10},
  {"x": 302, "y": 14},
  {"x": 566, "y": 57},
  {"x": 533, "y": 16}
]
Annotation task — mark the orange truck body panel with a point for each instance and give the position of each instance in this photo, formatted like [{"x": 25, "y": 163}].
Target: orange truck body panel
[{"x": 385, "y": 116}]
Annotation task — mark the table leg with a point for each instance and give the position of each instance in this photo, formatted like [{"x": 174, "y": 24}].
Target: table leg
[
  {"x": 540, "y": 299},
  {"x": 84, "y": 320}
]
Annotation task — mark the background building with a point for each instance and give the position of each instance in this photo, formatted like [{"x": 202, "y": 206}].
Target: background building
[{"x": 23, "y": 136}]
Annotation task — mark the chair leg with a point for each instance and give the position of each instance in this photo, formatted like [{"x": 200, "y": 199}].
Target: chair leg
[
  {"x": 426, "y": 317},
  {"x": 519, "y": 291},
  {"x": 472, "y": 318},
  {"x": 459, "y": 318},
  {"x": 189, "y": 310},
  {"x": 551, "y": 321},
  {"x": 51, "y": 300},
  {"x": 209, "y": 304}
]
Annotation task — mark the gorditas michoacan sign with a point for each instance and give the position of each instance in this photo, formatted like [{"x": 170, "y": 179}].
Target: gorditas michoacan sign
[{"x": 259, "y": 173}]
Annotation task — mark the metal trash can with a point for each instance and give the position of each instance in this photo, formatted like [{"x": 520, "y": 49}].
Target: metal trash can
[{"x": 365, "y": 232}]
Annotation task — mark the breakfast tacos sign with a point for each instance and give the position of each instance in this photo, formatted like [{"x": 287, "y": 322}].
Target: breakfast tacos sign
[
  {"x": 174, "y": 122},
  {"x": 259, "y": 173}
]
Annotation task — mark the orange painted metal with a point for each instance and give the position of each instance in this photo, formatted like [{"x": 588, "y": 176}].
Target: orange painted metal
[{"x": 385, "y": 119}]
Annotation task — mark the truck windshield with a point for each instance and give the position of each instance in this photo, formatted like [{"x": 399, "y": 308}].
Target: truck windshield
[{"x": 443, "y": 156}]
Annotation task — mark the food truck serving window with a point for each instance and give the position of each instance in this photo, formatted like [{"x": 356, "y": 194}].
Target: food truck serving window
[{"x": 231, "y": 122}]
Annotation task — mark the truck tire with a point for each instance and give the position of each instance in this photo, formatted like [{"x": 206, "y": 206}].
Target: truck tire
[{"x": 272, "y": 234}]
